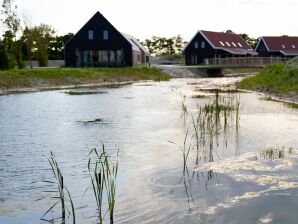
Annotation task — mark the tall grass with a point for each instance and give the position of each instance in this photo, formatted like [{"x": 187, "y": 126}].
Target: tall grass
[
  {"x": 276, "y": 78},
  {"x": 103, "y": 174},
  {"x": 62, "y": 194}
]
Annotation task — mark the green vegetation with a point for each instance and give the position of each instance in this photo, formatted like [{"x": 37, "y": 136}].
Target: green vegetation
[
  {"x": 276, "y": 152},
  {"x": 55, "y": 77},
  {"x": 103, "y": 174},
  {"x": 276, "y": 78},
  {"x": 62, "y": 194}
]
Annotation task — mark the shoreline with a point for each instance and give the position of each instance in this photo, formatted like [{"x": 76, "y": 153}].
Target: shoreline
[{"x": 69, "y": 87}]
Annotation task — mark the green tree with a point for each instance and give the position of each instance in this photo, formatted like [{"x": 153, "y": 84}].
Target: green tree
[
  {"x": 10, "y": 19},
  {"x": 56, "y": 46},
  {"x": 164, "y": 46},
  {"x": 42, "y": 35},
  {"x": 251, "y": 41}
]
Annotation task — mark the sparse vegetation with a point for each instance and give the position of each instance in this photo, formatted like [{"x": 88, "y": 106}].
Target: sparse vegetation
[
  {"x": 276, "y": 152},
  {"x": 276, "y": 78},
  {"x": 62, "y": 195}
]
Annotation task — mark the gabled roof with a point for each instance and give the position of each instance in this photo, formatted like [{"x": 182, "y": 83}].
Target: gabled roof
[
  {"x": 230, "y": 42},
  {"x": 137, "y": 46},
  {"x": 225, "y": 40},
  {"x": 286, "y": 45},
  {"x": 280, "y": 43},
  {"x": 136, "y": 42},
  {"x": 129, "y": 38}
]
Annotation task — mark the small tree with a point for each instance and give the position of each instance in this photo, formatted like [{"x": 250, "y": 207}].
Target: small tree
[
  {"x": 12, "y": 22},
  {"x": 42, "y": 35}
]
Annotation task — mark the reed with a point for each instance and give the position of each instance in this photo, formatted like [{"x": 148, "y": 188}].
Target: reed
[
  {"x": 63, "y": 194},
  {"x": 103, "y": 175}
]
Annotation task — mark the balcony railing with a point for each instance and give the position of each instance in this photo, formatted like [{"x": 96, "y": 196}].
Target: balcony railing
[{"x": 247, "y": 61}]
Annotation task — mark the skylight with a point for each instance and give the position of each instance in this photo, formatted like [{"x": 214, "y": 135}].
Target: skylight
[
  {"x": 228, "y": 43},
  {"x": 283, "y": 46},
  {"x": 221, "y": 43},
  {"x": 234, "y": 44},
  {"x": 239, "y": 45},
  {"x": 293, "y": 46}
]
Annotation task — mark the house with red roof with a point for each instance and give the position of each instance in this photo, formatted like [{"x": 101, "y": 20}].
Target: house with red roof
[
  {"x": 283, "y": 46},
  {"x": 208, "y": 44}
]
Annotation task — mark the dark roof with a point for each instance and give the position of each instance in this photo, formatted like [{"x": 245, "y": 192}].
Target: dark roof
[
  {"x": 283, "y": 43},
  {"x": 230, "y": 42},
  {"x": 225, "y": 40}
]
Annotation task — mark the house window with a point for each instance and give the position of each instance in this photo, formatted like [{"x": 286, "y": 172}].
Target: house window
[
  {"x": 239, "y": 45},
  {"x": 293, "y": 46},
  {"x": 234, "y": 44},
  {"x": 90, "y": 34},
  {"x": 105, "y": 34},
  {"x": 228, "y": 43},
  {"x": 196, "y": 44},
  {"x": 283, "y": 46},
  {"x": 222, "y": 44},
  {"x": 202, "y": 44}
]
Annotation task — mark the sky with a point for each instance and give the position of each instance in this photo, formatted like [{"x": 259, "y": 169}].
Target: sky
[{"x": 145, "y": 18}]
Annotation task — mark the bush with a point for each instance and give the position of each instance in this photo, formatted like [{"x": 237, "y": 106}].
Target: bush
[{"x": 6, "y": 60}]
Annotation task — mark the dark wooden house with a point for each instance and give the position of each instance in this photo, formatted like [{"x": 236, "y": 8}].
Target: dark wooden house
[
  {"x": 207, "y": 44},
  {"x": 283, "y": 46},
  {"x": 99, "y": 43}
]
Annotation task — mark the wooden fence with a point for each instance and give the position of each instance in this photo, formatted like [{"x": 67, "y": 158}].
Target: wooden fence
[{"x": 245, "y": 61}]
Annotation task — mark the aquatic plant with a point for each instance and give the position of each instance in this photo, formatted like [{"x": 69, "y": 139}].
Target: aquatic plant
[
  {"x": 103, "y": 175},
  {"x": 275, "y": 152},
  {"x": 63, "y": 196}
]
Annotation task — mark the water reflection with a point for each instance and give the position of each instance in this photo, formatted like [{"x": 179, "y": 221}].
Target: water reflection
[{"x": 223, "y": 182}]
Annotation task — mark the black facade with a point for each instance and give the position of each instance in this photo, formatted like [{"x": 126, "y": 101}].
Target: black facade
[
  {"x": 98, "y": 43},
  {"x": 195, "y": 54},
  {"x": 263, "y": 51},
  {"x": 199, "y": 50}
]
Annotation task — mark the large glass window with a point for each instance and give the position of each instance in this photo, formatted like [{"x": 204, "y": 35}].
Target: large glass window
[
  {"x": 118, "y": 57},
  {"x": 105, "y": 58},
  {"x": 112, "y": 56}
]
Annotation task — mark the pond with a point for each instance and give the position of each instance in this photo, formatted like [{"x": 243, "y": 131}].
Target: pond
[{"x": 245, "y": 172}]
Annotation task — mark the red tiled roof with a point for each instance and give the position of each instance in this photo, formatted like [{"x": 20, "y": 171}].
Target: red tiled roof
[
  {"x": 289, "y": 52},
  {"x": 225, "y": 40},
  {"x": 282, "y": 43}
]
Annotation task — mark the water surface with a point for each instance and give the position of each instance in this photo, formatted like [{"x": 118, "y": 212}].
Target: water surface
[{"x": 140, "y": 120}]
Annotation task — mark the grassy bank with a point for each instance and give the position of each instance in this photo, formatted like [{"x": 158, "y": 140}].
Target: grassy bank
[
  {"x": 276, "y": 78},
  {"x": 54, "y": 77}
]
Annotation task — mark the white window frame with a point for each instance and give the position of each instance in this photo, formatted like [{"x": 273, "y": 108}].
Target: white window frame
[{"x": 222, "y": 44}]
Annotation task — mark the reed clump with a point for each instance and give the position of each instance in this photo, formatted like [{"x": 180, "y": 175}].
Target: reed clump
[
  {"x": 103, "y": 175},
  {"x": 62, "y": 195}
]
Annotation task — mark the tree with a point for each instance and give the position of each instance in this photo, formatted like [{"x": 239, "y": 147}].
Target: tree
[
  {"x": 13, "y": 24},
  {"x": 251, "y": 41},
  {"x": 42, "y": 35},
  {"x": 164, "y": 46},
  {"x": 56, "y": 46},
  {"x": 4, "y": 58}
]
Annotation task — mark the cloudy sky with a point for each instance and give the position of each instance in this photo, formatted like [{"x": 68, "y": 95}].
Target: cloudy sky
[{"x": 144, "y": 18}]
